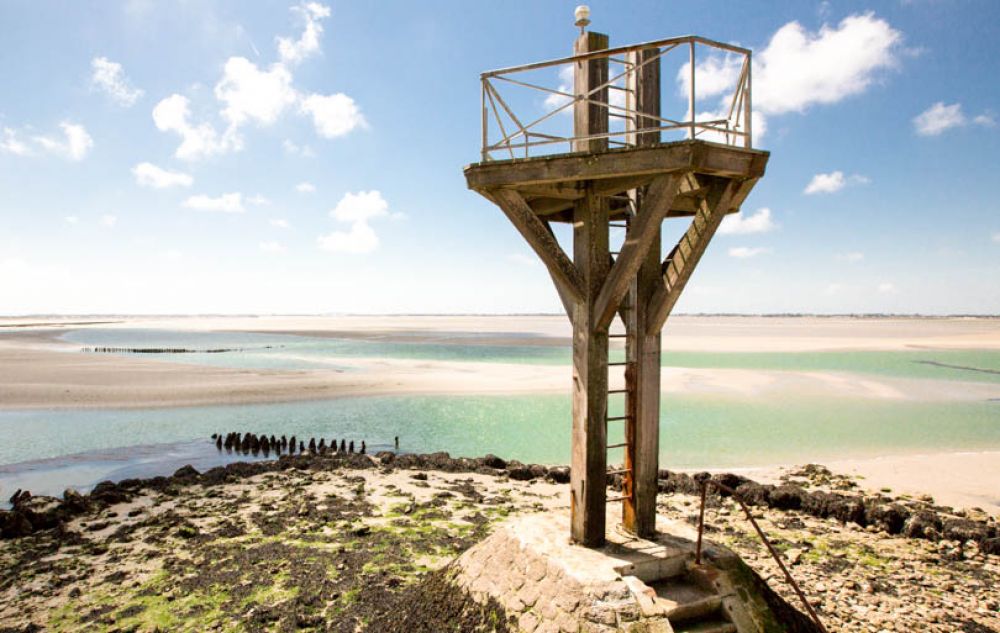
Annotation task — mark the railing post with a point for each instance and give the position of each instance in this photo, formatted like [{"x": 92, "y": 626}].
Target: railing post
[
  {"x": 747, "y": 107},
  {"x": 486, "y": 120},
  {"x": 691, "y": 100}
]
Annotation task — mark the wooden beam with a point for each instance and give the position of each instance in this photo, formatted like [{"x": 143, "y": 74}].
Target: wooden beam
[
  {"x": 643, "y": 382},
  {"x": 588, "y": 470},
  {"x": 645, "y": 227},
  {"x": 541, "y": 240},
  {"x": 689, "y": 249},
  {"x": 701, "y": 156}
]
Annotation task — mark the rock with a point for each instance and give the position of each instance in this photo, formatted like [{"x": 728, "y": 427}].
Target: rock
[
  {"x": 887, "y": 516},
  {"x": 922, "y": 524},
  {"x": 493, "y": 461},
  {"x": 559, "y": 474},
  {"x": 186, "y": 473},
  {"x": 74, "y": 502},
  {"x": 786, "y": 497},
  {"x": 520, "y": 473},
  {"x": 14, "y": 524},
  {"x": 754, "y": 494}
]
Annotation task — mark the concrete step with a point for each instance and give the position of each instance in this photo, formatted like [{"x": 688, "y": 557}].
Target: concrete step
[
  {"x": 708, "y": 626},
  {"x": 682, "y": 600}
]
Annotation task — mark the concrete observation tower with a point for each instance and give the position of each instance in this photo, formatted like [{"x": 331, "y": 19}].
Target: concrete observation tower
[{"x": 598, "y": 141}]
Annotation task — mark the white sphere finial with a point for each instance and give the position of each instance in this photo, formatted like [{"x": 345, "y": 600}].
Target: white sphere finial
[{"x": 582, "y": 14}]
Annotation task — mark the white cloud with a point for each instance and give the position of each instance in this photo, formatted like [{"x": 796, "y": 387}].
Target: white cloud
[
  {"x": 10, "y": 144},
  {"x": 996, "y": 237},
  {"x": 833, "y": 182},
  {"x": 985, "y": 119},
  {"x": 258, "y": 200},
  {"x": 554, "y": 101},
  {"x": 75, "y": 144},
  {"x": 746, "y": 252},
  {"x": 740, "y": 223},
  {"x": 358, "y": 209},
  {"x": 149, "y": 175},
  {"x": 251, "y": 94},
  {"x": 333, "y": 115},
  {"x": 197, "y": 141},
  {"x": 887, "y": 288},
  {"x": 280, "y": 223},
  {"x": 305, "y": 187},
  {"x": 851, "y": 257},
  {"x": 798, "y": 69},
  {"x": 110, "y": 77},
  {"x": 72, "y": 219},
  {"x": 226, "y": 203},
  {"x": 271, "y": 247},
  {"x": 294, "y": 51},
  {"x": 826, "y": 183},
  {"x": 109, "y": 220},
  {"x": 940, "y": 118}
]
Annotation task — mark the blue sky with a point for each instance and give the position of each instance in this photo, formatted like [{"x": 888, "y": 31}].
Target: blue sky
[{"x": 274, "y": 157}]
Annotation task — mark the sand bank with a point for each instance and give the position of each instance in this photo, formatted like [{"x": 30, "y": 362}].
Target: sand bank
[{"x": 959, "y": 479}]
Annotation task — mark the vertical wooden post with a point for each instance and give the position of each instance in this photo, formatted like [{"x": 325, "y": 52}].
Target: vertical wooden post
[
  {"x": 642, "y": 432},
  {"x": 588, "y": 471},
  {"x": 590, "y": 118}
]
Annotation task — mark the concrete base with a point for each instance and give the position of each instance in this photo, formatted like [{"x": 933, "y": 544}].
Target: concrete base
[{"x": 547, "y": 584}]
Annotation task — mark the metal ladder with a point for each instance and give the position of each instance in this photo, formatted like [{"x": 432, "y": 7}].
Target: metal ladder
[{"x": 624, "y": 390}]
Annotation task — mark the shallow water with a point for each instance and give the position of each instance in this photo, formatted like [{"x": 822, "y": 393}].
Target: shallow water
[
  {"x": 49, "y": 450},
  {"x": 696, "y": 431},
  {"x": 278, "y": 351}
]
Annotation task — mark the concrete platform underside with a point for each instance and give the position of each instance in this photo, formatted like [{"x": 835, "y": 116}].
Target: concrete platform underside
[{"x": 547, "y": 584}]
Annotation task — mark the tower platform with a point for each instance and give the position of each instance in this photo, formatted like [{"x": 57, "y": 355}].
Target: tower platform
[{"x": 551, "y": 184}]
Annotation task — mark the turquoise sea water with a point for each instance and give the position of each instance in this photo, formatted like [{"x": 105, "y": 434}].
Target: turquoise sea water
[
  {"x": 696, "y": 430},
  {"x": 303, "y": 352}
]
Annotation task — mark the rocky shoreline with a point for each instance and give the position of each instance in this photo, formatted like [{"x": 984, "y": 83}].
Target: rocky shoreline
[{"x": 340, "y": 541}]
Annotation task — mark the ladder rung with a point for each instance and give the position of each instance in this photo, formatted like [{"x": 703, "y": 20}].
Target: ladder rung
[
  {"x": 622, "y": 445},
  {"x": 618, "y": 364},
  {"x": 618, "y": 417},
  {"x": 617, "y": 499},
  {"x": 617, "y": 335},
  {"x": 620, "y": 471},
  {"x": 617, "y": 390},
  {"x": 618, "y": 225}
]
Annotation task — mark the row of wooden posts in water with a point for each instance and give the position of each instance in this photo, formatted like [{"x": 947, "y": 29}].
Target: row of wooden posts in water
[{"x": 252, "y": 443}]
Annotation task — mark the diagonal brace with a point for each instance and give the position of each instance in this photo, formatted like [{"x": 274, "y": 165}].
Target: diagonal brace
[
  {"x": 677, "y": 268},
  {"x": 564, "y": 273},
  {"x": 644, "y": 229}
]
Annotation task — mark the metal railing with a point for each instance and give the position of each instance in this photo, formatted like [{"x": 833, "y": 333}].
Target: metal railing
[
  {"x": 540, "y": 129},
  {"x": 704, "y": 484}
]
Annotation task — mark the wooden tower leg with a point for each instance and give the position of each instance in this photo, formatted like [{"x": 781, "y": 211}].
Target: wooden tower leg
[
  {"x": 588, "y": 471},
  {"x": 590, "y": 376},
  {"x": 642, "y": 430}
]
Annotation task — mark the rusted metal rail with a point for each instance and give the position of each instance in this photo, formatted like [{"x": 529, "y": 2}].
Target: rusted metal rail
[{"x": 704, "y": 484}]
